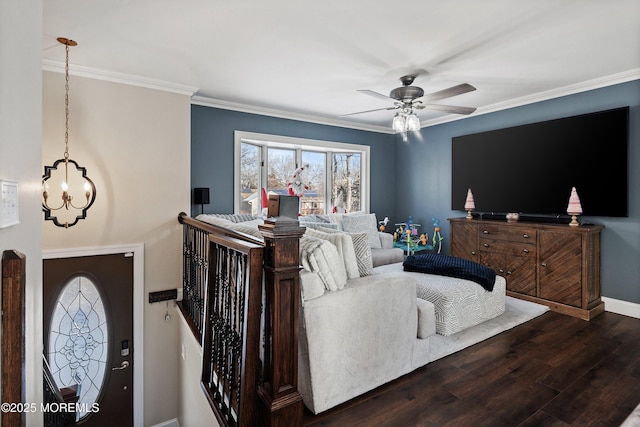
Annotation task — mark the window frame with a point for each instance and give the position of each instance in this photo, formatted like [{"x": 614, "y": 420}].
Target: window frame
[{"x": 303, "y": 144}]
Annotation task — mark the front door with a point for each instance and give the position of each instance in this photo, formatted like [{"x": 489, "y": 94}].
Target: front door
[{"x": 88, "y": 333}]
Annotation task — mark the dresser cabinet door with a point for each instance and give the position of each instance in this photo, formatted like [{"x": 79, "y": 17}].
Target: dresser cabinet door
[
  {"x": 519, "y": 271},
  {"x": 464, "y": 240},
  {"x": 560, "y": 268}
]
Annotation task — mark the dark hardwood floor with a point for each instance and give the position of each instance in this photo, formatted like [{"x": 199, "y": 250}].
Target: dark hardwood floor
[{"x": 555, "y": 370}]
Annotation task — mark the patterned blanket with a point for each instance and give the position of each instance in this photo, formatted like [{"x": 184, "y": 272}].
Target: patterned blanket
[{"x": 445, "y": 265}]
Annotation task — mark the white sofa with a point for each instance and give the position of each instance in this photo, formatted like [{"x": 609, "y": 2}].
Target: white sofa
[
  {"x": 381, "y": 254},
  {"x": 363, "y": 326}
]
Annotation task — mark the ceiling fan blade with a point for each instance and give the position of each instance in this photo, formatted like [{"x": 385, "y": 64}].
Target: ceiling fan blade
[
  {"x": 450, "y": 108},
  {"x": 376, "y": 94},
  {"x": 367, "y": 111},
  {"x": 448, "y": 93}
]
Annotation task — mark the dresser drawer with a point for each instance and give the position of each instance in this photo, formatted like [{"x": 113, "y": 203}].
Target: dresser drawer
[
  {"x": 505, "y": 232},
  {"x": 507, "y": 247}
]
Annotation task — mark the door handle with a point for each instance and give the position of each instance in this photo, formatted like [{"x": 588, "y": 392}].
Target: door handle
[{"x": 123, "y": 365}]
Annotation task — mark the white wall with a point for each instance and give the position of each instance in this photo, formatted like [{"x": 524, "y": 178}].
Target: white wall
[
  {"x": 135, "y": 144},
  {"x": 20, "y": 160},
  {"x": 193, "y": 407}
]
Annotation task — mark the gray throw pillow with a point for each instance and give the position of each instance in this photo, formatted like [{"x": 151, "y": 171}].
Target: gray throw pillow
[{"x": 366, "y": 223}]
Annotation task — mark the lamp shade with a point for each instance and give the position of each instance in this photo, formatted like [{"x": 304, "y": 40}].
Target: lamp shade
[
  {"x": 201, "y": 196},
  {"x": 574, "y": 207}
]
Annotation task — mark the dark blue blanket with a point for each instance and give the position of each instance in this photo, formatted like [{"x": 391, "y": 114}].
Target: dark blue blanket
[{"x": 445, "y": 265}]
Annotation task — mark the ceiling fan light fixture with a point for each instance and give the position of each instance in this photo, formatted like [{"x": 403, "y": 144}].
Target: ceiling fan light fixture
[
  {"x": 398, "y": 123},
  {"x": 413, "y": 122}
]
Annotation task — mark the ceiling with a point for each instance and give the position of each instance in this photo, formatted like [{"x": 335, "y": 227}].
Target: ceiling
[{"x": 308, "y": 59}]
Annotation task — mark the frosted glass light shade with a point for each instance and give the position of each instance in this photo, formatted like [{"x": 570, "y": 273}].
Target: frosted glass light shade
[
  {"x": 413, "y": 122},
  {"x": 398, "y": 123}
]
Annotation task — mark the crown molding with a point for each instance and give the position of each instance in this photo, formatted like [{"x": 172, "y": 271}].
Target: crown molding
[
  {"x": 58, "y": 67},
  {"x": 585, "y": 86},
  {"x": 111, "y": 76},
  {"x": 273, "y": 112}
]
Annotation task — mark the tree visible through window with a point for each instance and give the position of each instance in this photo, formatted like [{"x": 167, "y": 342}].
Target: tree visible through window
[{"x": 345, "y": 186}]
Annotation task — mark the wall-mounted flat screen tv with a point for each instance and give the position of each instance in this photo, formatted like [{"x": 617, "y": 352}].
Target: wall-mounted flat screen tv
[{"x": 530, "y": 169}]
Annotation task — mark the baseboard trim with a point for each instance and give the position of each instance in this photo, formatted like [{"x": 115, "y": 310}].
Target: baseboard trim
[
  {"x": 622, "y": 307},
  {"x": 168, "y": 423}
]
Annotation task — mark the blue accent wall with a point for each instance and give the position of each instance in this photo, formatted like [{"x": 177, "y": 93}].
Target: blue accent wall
[
  {"x": 414, "y": 177},
  {"x": 423, "y": 176},
  {"x": 212, "y": 133}
]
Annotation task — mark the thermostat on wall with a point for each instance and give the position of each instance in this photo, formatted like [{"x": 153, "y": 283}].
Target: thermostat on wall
[{"x": 8, "y": 203}]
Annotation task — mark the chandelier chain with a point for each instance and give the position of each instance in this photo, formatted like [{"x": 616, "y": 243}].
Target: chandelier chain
[{"x": 66, "y": 104}]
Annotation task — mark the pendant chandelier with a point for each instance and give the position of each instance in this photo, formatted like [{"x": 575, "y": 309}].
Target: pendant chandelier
[{"x": 68, "y": 212}]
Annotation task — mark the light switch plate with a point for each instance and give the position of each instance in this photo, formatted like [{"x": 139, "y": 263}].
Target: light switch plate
[{"x": 8, "y": 203}]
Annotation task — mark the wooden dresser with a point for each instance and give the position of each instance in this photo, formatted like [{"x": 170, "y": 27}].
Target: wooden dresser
[{"x": 552, "y": 264}]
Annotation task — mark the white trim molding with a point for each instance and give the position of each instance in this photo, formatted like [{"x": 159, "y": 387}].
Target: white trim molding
[
  {"x": 303, "y": 144},
  {"x": 138, "y": 310},
  {"x": 168, "y": 423},
  {"x": 112, "y": 76},
  {"x": 626, "y": 308}
]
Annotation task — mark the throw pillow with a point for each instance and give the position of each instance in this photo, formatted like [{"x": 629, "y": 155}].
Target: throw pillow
[
  {"x": 361, "y": 248},
  {"x": 321, "y": 256},
  {"x": 363, "y": 224},
  {"x": 344, "y": 245},
  {"x": 363, "y": 253}
]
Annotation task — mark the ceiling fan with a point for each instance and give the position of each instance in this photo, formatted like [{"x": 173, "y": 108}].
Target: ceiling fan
[{"x": 407, "y": 98}]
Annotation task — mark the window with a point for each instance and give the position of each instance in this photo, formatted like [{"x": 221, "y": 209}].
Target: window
[
  {"x": 78, "y": 340},
  {"x": 335, "y": 174}
]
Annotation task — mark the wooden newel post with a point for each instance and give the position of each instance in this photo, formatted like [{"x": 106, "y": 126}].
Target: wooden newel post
[
  {"x": 280, "y": 402},
  {"x": 13, "y": 345}
]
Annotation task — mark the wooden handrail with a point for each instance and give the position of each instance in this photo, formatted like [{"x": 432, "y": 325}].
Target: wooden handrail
[
  {"x": 67, "y": 395},
  {"x": 231, "y": 343},
  {"x": 260, "y": 387},
  {"x": 183, "y": 218}
]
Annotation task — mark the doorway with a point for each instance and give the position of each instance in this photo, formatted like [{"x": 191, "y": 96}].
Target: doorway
[{"x": 91, "y": 338}]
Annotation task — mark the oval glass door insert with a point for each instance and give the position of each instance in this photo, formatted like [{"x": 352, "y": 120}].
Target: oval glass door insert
[{"x": 78, "y": 341}]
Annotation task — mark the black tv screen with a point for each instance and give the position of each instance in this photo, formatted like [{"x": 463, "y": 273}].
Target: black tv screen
[{"x": 530, "y": 169}]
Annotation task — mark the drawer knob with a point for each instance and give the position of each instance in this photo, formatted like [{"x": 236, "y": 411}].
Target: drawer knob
[
  {"x": 508, "y": 272},
  {"x": 485, "y": 231},
  {"x": 526, "y": 251},
  {"x": 501, "y": 270},
  {"x": 486, "y": 245},
  {"x": 544, "y": 264},
  {"x": 526, "y": 236},
  {"x": 473, "y": 252}
]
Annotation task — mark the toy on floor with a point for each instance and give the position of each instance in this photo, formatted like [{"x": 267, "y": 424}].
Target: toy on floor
[
  {"x": 437, "y": 237},
  {"x": 405, "y": 229}
]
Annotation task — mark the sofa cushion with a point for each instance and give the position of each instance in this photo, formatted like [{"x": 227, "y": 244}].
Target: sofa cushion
[
  {"x": 215, "y": 220},
  {"x": 386, "y": 256},
  {"x": 344, "y": 243},
  {"x": 311, "y": 285},
  {"x": 321, "y": 256},
  {"x": 426, "y": 318},
  {"x": 459, "y": 303},
  {"x": 365, "y": 223},
  {"x": 362, "y": 250}
]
